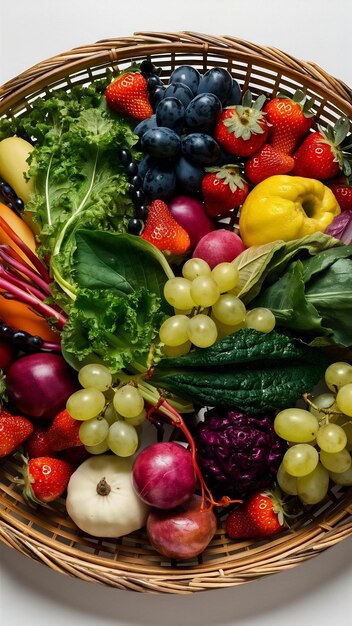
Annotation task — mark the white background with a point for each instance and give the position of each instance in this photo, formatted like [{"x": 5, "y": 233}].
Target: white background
[{"x": 317, "y": 590}]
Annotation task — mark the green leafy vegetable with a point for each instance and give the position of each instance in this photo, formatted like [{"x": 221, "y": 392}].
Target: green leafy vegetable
[
  {"x": 119, "y": 303},
  {"x": 79, "y": 181}
]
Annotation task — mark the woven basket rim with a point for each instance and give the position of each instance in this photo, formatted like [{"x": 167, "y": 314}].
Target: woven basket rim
[{"x": 291, "y": 548}]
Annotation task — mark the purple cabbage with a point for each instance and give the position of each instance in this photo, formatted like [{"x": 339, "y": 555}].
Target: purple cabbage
[
  {"x": 341, "y": 227},
  {"x": 237, "y": 453}
]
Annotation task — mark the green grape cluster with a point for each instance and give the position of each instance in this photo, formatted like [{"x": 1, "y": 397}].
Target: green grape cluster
[
  {"x": 320, "y": 439},
  {"x": 206, "y": 308},
  {"x": 110, "y": 417}
]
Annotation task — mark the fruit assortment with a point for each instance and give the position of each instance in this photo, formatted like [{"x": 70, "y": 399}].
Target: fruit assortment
[{"x": 148, "y": 308}]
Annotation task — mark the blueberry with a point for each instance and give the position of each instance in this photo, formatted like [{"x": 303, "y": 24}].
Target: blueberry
[
  {"x": 218, "y": 81},
  {"x": 131, "y": 170},
  {"x": 180, "y": 91},
  {"x": 142, "y": 212},
  {"x": 200, "y": 148},
  {"x": 160, "y": 182},
  {"x": 187, "y": 75},
  {"x": 145, "y": 125},
  {"x": 157, "y": 95},
  {"x": 138, "y": 196},
  {"x": 125, "y": 156},
  {"x": 235, "y": 94},
  {"x": 136, "y": 182},
  {"x": 162, "y": 143},
  {"x": 203, "y": 111},
  {"x": 134, "y": 226},
  {"x": 170, "y": 113},
  {"x": 34, "y": 343},
  {"x": 189, "y": 175}
]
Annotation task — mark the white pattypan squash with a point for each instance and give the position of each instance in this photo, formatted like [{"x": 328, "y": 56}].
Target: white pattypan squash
[{"x": 101, "y": 499}]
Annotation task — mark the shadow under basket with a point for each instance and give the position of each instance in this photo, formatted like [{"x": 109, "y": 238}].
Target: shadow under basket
[{"x": 47, "y": 534}]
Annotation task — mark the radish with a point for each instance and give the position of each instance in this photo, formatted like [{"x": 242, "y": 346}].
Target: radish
[{"x": 219, "y": 246}]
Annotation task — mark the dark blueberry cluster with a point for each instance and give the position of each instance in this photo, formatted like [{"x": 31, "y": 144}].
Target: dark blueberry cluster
[
  {"x": 20, "y": 340},
  {"x": 135, "y": 224},
  {"x": 177, "y": 140},
  {"x": 9, "y": 195}
]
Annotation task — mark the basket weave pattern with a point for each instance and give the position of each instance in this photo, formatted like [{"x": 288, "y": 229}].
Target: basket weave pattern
[{"x": 47, "y": 534}]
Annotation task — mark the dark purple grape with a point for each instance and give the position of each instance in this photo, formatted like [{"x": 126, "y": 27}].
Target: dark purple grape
[
  {"x": 162, "y": 143},
  {"x": 180, "y": 91},
  {"x": 152, "y": 82},
  {"x": 203, "y": 112},
  {"x": 131, "y": 170},
  {"x": 145, "y": 125},
  {"x": 187, "y": 75},
  {"x": 170, "y": 112},
  {"x": 134, "y": 226},
  {"x": 20, "y": 338},
  {"x": 189, "y": 175},
  {"x": 6, "y": 331},
  {"x": 34, "y": 343},
  {"x": 235, "y": 94},
  {"x": 157, "y": 95},
  {"x": 125, "y": 156},
  {"x": 200, "y": 148},
  {"x": 160, "y": 182},
  {"x": 218, "y": 81},
  {"x": 18, "y": 205}
]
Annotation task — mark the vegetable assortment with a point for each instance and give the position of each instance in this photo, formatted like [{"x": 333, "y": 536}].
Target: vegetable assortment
[{"x": 125, "y": 298}]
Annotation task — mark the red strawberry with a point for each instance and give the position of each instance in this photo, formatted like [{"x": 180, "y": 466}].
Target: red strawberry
[
  {"x": 38, "y": 444},
  {"x": 223, "y": 189},
  {"x": 267, "y": 162},
  {"x": 14, "y": 430},
  {"x": 242, "y": 129},
  {"x": 164, "y": 232},
  {"x": 321, "y": 156},
  {"x": 75, "y": 455},
  {"x": 342, "y": 189},
  {"x": 45, "y": 479},
  {"x": 290, "y": 119},
  {"x": 128, "y": 94},
  {"x": 63, "y": 432},
  {"x": 261, "y": 515}
]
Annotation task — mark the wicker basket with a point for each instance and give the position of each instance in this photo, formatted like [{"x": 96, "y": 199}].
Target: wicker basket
[{"x": 48, "y": 535}]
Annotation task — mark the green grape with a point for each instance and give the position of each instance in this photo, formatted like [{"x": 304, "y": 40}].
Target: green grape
[
  {"x": 346, "y": 424},
  {"x": 313, "y": 488},
  {"x": 110, "y": 414},
  {"x": 337, "y": 462},
  {"x": 138, "y": 419},
  {"x": 296, "y": 425},
  {"x": 128, "y": 401},
  {"x": 100, "y": 448},
  {"x": 342, "y": 478},
  {"x": 337, "y": 375},
  {"x": 323, "y": 401},
  {"x": 331, "y": 438},
  {"x": 287, "y": 482},
  {"x": 229, "y": 310},
  {"x": 194, "y": 268},
  {"x": 123, "y": 439},
  {"x": 85, "y": 403},
  {"x": 300, "y": 459},
  {"x": 226, "y": 276},
  {"x": 204, "y": 291},
  {"x": 224, "y": 329},
  {"x": 174, "y": 331},
  {"x": 95, "y": 375},
  {"x": 202, "y": 331},
  {"x": 94, "y": 431},
  {"x": 177, "y": 292},
  {"x": 183, "y": 348},
  {"x": 261, "y": 319},
  {"x": 344, "y": 399}
]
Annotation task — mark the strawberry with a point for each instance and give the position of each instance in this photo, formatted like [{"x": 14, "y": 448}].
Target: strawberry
[
  {"x": 290, "y": 120},
  {"x": 128, "y": 94},
  {"x": 164, "y": 232},
  {"x": 75, "y": 455},
  {"x": 14, "y": 430},
  {"x": 38, "y": 444},
  {"x": 223, "y": 189},
  {"x": 321, "y": 155},
  {"x": 342, "y": 189},
  {"x": 262, "y": 515},
  {"x": 242, "y": 129},
  {"x": 44, "y": 479},
  {"x": 268, "y": 161},
  {"x": 63, "y": 432}
]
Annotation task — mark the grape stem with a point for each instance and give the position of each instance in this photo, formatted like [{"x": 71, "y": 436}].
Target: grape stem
[{"x": 326, "y": 412}]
